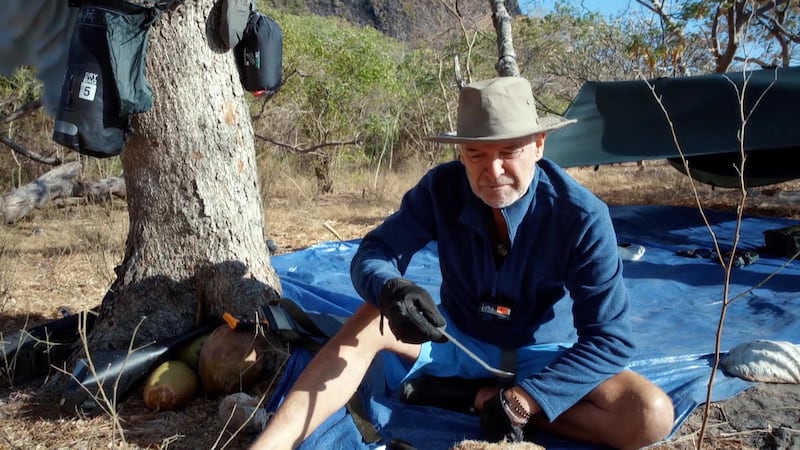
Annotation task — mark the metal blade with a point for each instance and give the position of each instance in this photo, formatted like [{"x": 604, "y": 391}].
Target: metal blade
[{"x": 484, "y": 364}]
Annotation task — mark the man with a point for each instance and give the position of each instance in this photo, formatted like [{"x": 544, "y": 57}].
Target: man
[{"x": 514, "y": 234}]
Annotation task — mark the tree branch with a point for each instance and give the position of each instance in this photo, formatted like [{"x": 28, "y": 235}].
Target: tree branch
[
  {"x": 267, "y": 98},
  {"x": 28, "y": 153},
  {"x": 22, "y": 111},
  {"x": 507, "y": 63},
  {"x": 313, "y": 149}
]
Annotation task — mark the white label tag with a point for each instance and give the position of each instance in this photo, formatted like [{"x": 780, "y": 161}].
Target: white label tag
[{"x": 88, "y": 86}]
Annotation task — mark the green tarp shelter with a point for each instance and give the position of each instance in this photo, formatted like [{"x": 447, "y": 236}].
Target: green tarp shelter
[{"x": 622, "y": 121}]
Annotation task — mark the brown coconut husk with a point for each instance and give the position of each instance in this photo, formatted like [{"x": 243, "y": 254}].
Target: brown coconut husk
[{"x": 232, "y": 361}]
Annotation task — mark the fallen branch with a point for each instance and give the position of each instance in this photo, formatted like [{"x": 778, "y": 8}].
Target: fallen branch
[
  {"x": 58, "y": 184},
  {"x": 101, "y": 190}
]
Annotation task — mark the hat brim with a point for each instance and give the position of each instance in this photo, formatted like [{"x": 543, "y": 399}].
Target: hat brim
[{"x": 546, "y": 123}]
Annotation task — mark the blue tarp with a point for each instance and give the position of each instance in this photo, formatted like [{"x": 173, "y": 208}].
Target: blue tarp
[{"x": 676, "y": 299}]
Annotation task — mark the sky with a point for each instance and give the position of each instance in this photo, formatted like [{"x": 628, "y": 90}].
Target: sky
[{"x": 609, "y": 7}]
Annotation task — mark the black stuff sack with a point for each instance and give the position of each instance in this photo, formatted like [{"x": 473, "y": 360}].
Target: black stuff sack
[
  {"x": 105, "y": 79},
  {"x": 259, "y": 55},
  {"x": 783, "y": 242}
]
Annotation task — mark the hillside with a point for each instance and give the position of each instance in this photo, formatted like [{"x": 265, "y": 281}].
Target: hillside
[{"x": 406, "y": 20}]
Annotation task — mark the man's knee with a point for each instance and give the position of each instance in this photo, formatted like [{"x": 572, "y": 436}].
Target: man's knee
[
  {"x": 658, "y": 417},
  {"x": 644, "y": 411}
]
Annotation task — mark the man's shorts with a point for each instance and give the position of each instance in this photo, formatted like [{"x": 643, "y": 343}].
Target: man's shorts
[{"x": 447, "y": 360}]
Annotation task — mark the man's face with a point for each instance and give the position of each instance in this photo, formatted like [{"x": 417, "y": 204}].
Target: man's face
[{"x": 501, "y": 172}]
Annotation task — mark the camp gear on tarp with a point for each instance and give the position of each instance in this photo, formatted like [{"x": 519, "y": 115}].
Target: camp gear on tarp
[
  {"x": 105, "y": 80},
  {"x": 783, "y": 242},
  {"x": 740, "y": 258}
]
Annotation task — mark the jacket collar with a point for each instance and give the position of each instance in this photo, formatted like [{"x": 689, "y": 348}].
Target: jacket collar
[{"x": 475, "y": 214}]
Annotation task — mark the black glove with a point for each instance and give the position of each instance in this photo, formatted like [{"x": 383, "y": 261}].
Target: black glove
[
  {"x": 412, "y": 314},
  {"x": 496, "y": 424}
]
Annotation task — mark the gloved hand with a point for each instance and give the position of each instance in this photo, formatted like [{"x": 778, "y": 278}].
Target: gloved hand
[
  {"x": 496, "y": 424},
  {"x": 412, "y": 314}
]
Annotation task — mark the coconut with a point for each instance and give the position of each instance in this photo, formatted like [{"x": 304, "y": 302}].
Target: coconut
[
  {"x": 231, "y": 361},
  {"x": 170, "y": 386},
  {"x": 189, "y": 353}
]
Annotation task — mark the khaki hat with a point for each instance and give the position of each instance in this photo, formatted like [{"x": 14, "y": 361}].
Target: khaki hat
[{"x": 498, "y": 109}]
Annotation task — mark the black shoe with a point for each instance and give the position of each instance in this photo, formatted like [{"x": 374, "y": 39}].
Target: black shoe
[{"x": 453, "y": 393}]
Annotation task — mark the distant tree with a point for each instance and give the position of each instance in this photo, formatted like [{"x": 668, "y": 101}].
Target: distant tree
[
  {"x": 760, "y": 32},
  {"x": 354, "y": 96},
  {"x": 567, "y": 47}
]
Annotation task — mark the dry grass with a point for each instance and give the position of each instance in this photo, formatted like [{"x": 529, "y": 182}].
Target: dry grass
[{"x": 64, "y": 257}]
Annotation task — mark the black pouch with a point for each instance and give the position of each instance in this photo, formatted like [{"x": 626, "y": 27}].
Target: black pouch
[
  {"x": 259, "y": 55},
  {"x": 783, "y": 242},
  {"x": 105, "y": 80}
]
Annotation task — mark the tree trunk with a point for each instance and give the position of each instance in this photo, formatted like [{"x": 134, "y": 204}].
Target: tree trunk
[
  {"x": 196, "y": 244},
  {"x": 506, "y": 65}
]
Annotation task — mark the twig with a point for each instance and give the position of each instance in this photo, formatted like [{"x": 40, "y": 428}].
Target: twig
[
  {"x": 758, "y": 430},
  {"x": 333, "y": 232}
]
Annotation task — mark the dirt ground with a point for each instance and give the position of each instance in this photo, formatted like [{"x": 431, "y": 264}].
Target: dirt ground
[{"x": 64, "y": 258}]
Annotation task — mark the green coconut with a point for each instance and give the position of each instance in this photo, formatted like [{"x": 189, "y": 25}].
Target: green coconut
[
  {"x": 189, "y": 352},
  {"x": 170, "y": 386},
  {"x": 231, "y": 361}
]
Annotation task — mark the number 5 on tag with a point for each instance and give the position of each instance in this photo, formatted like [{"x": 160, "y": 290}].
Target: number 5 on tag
[{"x": 88, "y": 86}]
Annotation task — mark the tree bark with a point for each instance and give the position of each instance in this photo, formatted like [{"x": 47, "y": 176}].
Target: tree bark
[
  {"x": 196, "y": 243},
  {"x": 507, "y": 58}
]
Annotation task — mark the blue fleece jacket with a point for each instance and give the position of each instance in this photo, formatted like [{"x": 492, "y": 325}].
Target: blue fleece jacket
[{"x": 562, "y": 241}]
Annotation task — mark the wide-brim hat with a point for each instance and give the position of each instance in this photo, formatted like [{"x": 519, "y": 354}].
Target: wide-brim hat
[{"x": 498, "y": 109}]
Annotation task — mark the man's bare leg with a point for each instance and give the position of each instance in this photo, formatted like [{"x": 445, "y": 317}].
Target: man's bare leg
[
  {"x": 330, "y": 379},
  {"x": 626, "y": 411}
]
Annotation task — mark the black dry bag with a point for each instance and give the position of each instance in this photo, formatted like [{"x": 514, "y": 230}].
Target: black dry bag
[
  {"x": 105, "y": 80},
  {"x": 259, "y": 55}
]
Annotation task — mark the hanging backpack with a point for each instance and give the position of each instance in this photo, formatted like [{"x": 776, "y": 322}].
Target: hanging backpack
[
  {"x": 259, "y": 55},
  {"x": 105, "y": 80}
]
